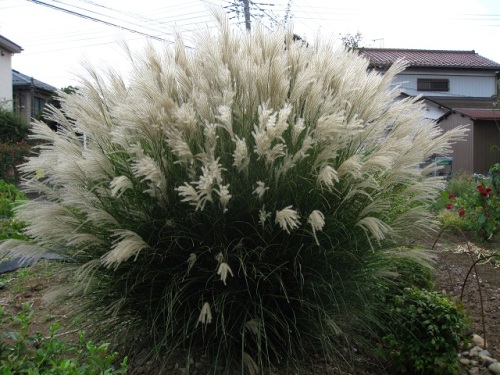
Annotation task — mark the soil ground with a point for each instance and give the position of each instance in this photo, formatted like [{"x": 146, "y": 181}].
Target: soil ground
[
  {"x": 478, "y": 287},
  {"x": 454, "y": 256}
]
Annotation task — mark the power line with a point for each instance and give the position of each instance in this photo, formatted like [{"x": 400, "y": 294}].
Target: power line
[{"x": 38, "y": 2}]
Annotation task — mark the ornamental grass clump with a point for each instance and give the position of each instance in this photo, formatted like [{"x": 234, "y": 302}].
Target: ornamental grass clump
[{"x": 231, "y": 200}]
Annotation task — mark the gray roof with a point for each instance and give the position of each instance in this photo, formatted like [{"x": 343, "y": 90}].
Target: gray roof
[
  {"x": 20, "y": 80},
  {"x": 9, "y": 45}
]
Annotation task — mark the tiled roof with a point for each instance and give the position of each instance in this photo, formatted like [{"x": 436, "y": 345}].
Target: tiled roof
[
  {"x": 20, "y": 80},
  {"x": 479, "y": 114},
  {"x": 384, "y": 57}
]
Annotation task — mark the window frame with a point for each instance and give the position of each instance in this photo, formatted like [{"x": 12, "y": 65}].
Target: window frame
[{"x": 433, "y": 84}]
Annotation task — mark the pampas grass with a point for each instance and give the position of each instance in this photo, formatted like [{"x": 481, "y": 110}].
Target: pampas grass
[{"x": 231, "y": 200}]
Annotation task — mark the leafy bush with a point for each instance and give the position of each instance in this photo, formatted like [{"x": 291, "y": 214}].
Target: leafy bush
[
  {"x": 427, "y": 330},
  {"x": 9, "y": 196},
  {"x": 34, "y": 354},
  {"x": 13, "y": 128},
  {"x": 11, "y": 155},
  {"x": 233, "y": 200},
  {"x": 10, "y": 228}
]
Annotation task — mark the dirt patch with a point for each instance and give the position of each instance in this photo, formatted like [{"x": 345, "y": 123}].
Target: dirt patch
[
  {"x": 479, "y": 286},
  {"x": 27, "y": 287}
]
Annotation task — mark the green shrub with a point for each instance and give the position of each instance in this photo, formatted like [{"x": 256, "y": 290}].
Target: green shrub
[
  {"x": 11, "y": 229},
  {"x": 427, "y": 330},
  {"x": 10, "y": 195},
  {"x": 232, "y": 200},
  {"x": 11, "y": 155},
  {"x": 409, "y": 271},
  {"x": 13, "y": 128},
  {"x": 24, "y": 353}
]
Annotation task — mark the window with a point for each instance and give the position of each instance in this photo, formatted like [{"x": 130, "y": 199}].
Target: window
[
  {"x": 429, "y": 84},
  {"x": 38, "y": 105}
]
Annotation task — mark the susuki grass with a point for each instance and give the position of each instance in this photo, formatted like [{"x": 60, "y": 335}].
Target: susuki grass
[{"x": 234, "y": 199}]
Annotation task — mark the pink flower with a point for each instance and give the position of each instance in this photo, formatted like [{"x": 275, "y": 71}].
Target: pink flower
[
  {"x": 449, "y": 206},
  {"x": 461, "y": 212},
  {"x": 451, "y": 196}
]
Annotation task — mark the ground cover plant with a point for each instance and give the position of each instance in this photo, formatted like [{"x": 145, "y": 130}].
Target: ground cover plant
[
  {"x": 236, "y": 201},
  {"x": 25, "y": 349}
]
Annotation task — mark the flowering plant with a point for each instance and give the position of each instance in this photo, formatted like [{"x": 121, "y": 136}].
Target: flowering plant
[
  {"x": 233, "y": 199},
  {"x": 479, "y": 210}
]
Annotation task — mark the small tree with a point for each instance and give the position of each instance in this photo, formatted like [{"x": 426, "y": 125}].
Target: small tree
[{"x": 351, "y": 42}]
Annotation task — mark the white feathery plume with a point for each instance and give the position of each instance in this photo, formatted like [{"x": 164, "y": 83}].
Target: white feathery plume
[
  {"x": 205, "y": 316},
  {"x": 126, "y": 245},
  {"x": 225, "y": 118},
  {"x": 189, "y": 194},
  {"x": 223, "y": 271},
  {"x": 351, "y": 166},
  {"x": 119, "y": 185},
  {"x": 297, "y": 129},
  {"x": 375, "y": 226},
  {"x": 224, "y": 195},
  {"x": 317, "y": 221},
  {"x": 327, "y": 176},
  {"x": 263, "y": 216},
  {"x": 240, "y": 155},
  {"x": 260, "y": 189},
  {"x": 287, "y": 218},
  {"x": 211, "y": 176}
]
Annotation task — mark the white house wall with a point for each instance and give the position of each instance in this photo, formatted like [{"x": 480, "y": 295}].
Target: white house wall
[
  {"x": 5, "y": 79},
  {"x": 479, "y": 85}
]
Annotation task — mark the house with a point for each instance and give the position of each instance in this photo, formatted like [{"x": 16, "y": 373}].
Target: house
[
  {"x": 458, "y": 88},
  {"x": 30, "y": 95},
  {"x": 7, "y": 49}
]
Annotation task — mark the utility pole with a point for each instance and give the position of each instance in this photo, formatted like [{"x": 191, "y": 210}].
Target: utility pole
[{"x": 246, "y": 10}]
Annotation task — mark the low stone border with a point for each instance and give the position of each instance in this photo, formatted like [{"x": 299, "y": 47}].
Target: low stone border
[{"x": 477, "y": 358}]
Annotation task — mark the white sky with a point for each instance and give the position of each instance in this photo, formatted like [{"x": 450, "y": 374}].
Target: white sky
[{"x": 55, "y": 43}]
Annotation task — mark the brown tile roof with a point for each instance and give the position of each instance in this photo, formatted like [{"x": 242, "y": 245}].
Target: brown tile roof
[
  {"x": 384, "y": 57},
  {"x": 479, "y": 114}
]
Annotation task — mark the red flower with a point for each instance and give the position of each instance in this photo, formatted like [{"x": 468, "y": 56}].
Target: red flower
[
  {"x": 483, "y": 191},
  {"x": 451, "y": 196},
  {"x": 461, "y": 212},
  {"x": 449, "y": 206}
]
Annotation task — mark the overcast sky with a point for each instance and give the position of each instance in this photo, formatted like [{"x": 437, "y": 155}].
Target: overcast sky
[{"x": 55, "y": 42}]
